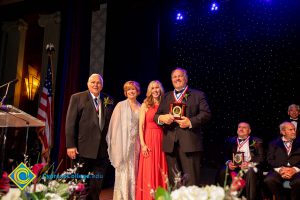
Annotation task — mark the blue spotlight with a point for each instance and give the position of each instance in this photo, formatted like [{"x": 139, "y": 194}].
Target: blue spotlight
[
  {"x": 214, "y": 7},
  {"x": 179, "y": 16}
]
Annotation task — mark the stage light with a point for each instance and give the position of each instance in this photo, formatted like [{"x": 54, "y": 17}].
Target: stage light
[
  {"x": 214, "y": 7},
  {"x": 179, "y": 16}
]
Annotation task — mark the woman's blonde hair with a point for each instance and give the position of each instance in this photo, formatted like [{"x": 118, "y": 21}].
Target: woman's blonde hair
[
  {"x": 149, "y": 100},
  {"x": 131, "y": 84}
]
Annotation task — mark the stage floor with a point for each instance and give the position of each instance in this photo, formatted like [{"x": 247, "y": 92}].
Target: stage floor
[{"x": 107, "y": 194}]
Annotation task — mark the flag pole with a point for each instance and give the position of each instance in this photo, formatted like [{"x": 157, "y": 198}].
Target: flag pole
[
  {"x": 51, "y": 51},
  {"x": 45, "y": 111}
]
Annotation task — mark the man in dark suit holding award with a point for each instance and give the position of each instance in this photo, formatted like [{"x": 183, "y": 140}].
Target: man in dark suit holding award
[
  {"x": 182, "y": 113},
  {"x": 87, "y": 122},
  {"x": 244, "y": 152},
  {"x": 284, "y": 158}
]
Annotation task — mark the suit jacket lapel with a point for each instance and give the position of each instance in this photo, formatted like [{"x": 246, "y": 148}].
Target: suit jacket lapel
[
  {"x": 234, "y": 144},
  {"x": 295, "y": 146},
  {"x": 281, "y": 145},
  {"x": 252, "y": 144},
  {"x": 187, "y": 96},
  {"x": 171, "y": 98},
  {"x": 103, "y": 111}
]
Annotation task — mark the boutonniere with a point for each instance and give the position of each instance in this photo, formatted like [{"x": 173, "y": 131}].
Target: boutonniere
[
  {"x": 253, "y": 144},
  {"x": 187, "y": 94},
  {"x": 107, "y": 101}
]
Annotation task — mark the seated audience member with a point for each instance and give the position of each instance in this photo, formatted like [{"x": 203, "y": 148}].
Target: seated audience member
[
  {"x": 294, "y": 112},
  {"x": 284, "y": 158},
  {"x": 251, "y": 150}
]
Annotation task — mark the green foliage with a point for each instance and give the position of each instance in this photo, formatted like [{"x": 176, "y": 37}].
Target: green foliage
[{"x": 162, "y": 194}]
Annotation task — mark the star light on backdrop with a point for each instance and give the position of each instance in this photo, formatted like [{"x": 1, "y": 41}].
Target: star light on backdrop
[
  {"x": 214, "y": 6},
  {"x": 179, "y": 16},
  {"x": 245, "y": 59}
]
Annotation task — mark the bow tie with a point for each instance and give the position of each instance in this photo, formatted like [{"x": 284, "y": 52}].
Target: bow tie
[
  {"x": 294, "y": 120},
  {"x": 241, "y": 140},
  {"x": 178, "y": 92}
]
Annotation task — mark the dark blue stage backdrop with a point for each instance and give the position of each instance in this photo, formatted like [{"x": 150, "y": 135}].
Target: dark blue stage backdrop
[{"x": 245, "y": 56}]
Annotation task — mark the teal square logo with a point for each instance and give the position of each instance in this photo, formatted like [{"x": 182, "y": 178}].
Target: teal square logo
[{"x": 22, "y": 176}]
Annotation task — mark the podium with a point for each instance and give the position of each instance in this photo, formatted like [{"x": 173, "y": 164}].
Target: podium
[
  {"x": 11, "y": 116},
  {"x": 14, "y": 117}
]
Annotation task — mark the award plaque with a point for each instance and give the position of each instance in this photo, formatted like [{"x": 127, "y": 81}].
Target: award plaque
[
  {"x": 238, "y": 158},
  {"x": 177, "y": 110}
]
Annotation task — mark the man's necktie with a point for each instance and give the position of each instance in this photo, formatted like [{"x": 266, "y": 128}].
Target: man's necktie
[
  {"x": 288, "y": 146},
  {"x": 99, "y": 111},
  {"x": 96, "y": 104}
]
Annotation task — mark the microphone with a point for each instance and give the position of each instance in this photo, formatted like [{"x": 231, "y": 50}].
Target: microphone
[
  {"x": 10, "y": 82},
  {"x": 4, "y": 108}
]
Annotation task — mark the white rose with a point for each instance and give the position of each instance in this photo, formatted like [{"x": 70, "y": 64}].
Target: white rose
[
  {"x": 179, "y": 194},
  {"x": 13, "y": 194},
  {"x": 52, "y": 196},
  {"x": 216, "y": 193},
  {"x": 39, "y": 188}
]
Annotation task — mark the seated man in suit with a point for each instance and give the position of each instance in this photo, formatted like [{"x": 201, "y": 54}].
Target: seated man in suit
[
  {"x": 284, "y": 158},
  {"x": 252, "y": 151},
  {"x": 294, "y": 112}
]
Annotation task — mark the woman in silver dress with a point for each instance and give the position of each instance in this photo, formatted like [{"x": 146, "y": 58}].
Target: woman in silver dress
[{"x": 123, "y": 142}]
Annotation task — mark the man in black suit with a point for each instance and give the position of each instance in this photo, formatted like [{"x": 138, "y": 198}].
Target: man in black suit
[
  {"x": 87, "y": 123},
  {"x": 182, "y": 139},
  {"x": 294, "y": 112},
  {"x": 284, "y": 158},
  {"x": 251, "y": 149}
]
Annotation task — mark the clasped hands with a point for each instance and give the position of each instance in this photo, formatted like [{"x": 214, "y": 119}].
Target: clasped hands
[
  {"x": 244, "y": 165},
  {"x": 287, "y": 172},
  {"x": 184, "y": 122}
]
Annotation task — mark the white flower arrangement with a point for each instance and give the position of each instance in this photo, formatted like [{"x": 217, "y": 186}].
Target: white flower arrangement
[{"x": 211, "y": 192}]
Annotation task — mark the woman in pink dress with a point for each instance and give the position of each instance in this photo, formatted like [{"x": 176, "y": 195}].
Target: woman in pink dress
[{"x": 152, "y": 164}]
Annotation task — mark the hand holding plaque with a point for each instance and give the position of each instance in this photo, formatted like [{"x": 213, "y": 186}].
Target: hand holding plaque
[
  {"x": 238, "y": 158},
  {"x": 177, "y": 110}
]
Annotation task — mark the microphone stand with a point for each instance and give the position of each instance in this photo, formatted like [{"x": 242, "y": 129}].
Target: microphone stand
[
  {"x": 12, "y": 81},
  {"x": 4, "y": 97},
  {"x": 7, "y": 87}
]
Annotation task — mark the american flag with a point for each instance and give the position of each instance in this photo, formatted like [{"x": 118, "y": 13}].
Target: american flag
[{"x": 45, "y": 110}]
